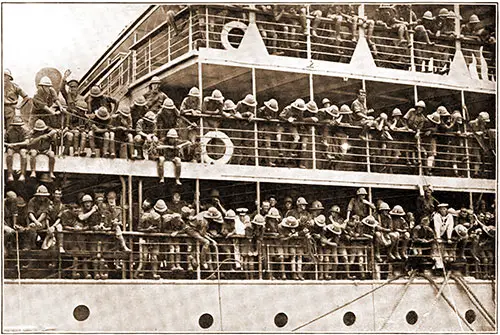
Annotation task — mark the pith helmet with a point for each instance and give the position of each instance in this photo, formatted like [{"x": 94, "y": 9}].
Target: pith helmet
[
  {"x": 335, "y": 209},
  {"x": 334, "y": 109},
  {"x": 95, "y": 91},
  {"x": 301, "y": 201},
  {"x": 325, "y": 101},
  {"x": 229, "y": 105},
  {"x": 42, "y": 191},
  {"x": 334, "y": 229},
  {"x": 474, "y": 19},
  {"x": 457, "y": 116},
  {"x": 396, "y": 112},
  {"x": 250, "y": 100},
  {"x": 40, "y": 125},
  {"x": 155, "y": 80},
  {"x": 140, "y": 101},
  {"x": 17, "y": 121},
  {"x": 461, "y": 231},
  {"x": 102, "y": 113},
  {"x": 312, "y": 107},
  {"x": 172, "y": 133},
  {"x": 299, "y": 104},
  {"x": 7, "y": 73},
  {"x": 259, "y": 220},
  {"x": 361, "y": 191},
  {"x": 230, "y": 215},
  {"x": 194, "y": 92},
  {"x": 384, "y": 206},
  {"x": 45, "y": 81},
  {"x": 87, "y": 198},
  {"x": 397, "y": 210},
  {"x": 428, "y": 15},
  {"x": 434, "y": 118},
  {"x": 316, "y": 204},
  {"x": 290, "y": 222},
  {"x": 272, "y": 104},
  {"x": 442, "y": 111},
  {"x": 150, "y": 116},
  {"x": 443, "y": 12},
  {"x": 370, "y": 221},
  {"x": 125, "y": 111},
  {"x": 213, "y": 214},
  {"x": 216, "y": 95},
  {"x": 168, "y": 104},
  {"x": 160, "y": 206},
  {"x": 320, "y": 220},
  {"x": 485, "y": 116},
  {"x": 344, "y": 109},
  {"x": 82, "y": 105},
  {"x": 420, "y": 103}
]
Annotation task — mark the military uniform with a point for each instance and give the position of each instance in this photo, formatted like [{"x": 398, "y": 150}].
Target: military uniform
[
  {"x": 11, "y": 94},
  {"x": 121, "y": 125},
  {"x": 154, "y": 100},
  {"x": 42, "y": 140},
  {"x": 101, "y": 134},
  {"x": 41, "y": 100},
  {"x": 16, "y": 139},
  {"x": 145, "y": 138}
]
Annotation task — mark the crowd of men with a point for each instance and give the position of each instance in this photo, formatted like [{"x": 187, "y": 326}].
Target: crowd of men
[
  {"x": 288, "y": 237},
  {"x": 153, "y": 127}
]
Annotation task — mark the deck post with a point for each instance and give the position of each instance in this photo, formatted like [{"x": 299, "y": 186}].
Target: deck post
[
  {"x": 130, "y": 228},
  {"x": 123, "y": 204},
  {"x": 149, "y": 55},
  {"x": 169, "y": 43},
  {"x": 456, "y": 9},
  {"x": 197, "y": 195},
  {"x": 466, "y": 140},
  {"x": 412, "y": 45},
  {"x": 308, "y": 33},
  {"x": 200, "y": 85},
  {"x": 255, "y": 127},
  {"x": 206, "y": 28},
  {"x": 419, "y": 142},
  {"x": 190, "y": 30}
]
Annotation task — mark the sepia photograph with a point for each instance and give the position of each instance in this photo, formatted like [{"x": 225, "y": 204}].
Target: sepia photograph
[{"x": 249, "y": 168}]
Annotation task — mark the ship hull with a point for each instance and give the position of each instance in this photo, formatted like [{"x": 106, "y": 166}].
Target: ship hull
[{"x": 176, "y": 306}]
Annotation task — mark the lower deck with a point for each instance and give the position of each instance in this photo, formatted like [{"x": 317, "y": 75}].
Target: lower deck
[{"x": 406, "y": 305}]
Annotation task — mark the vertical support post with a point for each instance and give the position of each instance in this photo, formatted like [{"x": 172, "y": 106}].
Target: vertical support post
[
  {"x": 130, "y": 213},
  {"x": 134, "y": 65},
  {"x": 190, "y": 29},
  {"x": 206, "y": 27},
  {"x": 456, "y": 9},
  {"x": 471, "y": 200},
  {"x": 412, "y": 46},
  {"x": 149, "y": 55},
  {"x": 198, "y": 267},
  {"x": 169, "y": 43},
  {"x": 367, "y": 144},
  {"x": 200, "y": 85},
  {"x": 466, "y": 140},
  {"x": 139, "y": 194},
  {"x": 124, "y": 216},
  {"x": 257, "y": 198},
  {"x": 419, "y": 143},
  {"x": 308, "y": 34},
  {"x": 361, "y": 13},
  {"x": 370, "y": 197},
  {"x": 197, "y": 195},
  {"x": 255, "y": 126},
  {"x": 313, "y": 144}
]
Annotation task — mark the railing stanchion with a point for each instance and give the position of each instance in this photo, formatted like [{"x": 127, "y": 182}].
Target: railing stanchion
[
  {"x": 259, "y": 259},
  {"x": 198, "y": 267},
  {"x": 190, "y": 29},
  {"x": 367, "y": 144},
  {"x": 149, "y": 55},
  {"x": 308, "y": 35},
  {"x": 419, "y": 155},
  {"x": 169, "y": 39},
  {"x": 206, "y": 28},
  {"x": 131, "y": 216},
  {"x": 313, "y": 143}
]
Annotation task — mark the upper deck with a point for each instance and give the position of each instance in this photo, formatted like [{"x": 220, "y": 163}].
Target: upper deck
[{"x": 248, "y": 37}]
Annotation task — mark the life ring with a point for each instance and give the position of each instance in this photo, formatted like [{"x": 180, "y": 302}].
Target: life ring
[
  {"x": 227, "y": 143},
  {"x": 224, "y": 36}
]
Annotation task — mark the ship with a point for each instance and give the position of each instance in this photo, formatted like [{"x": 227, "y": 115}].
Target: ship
[{"x": 241, "y": 50}]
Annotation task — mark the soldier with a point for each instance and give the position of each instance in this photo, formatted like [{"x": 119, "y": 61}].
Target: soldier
[
  {"x": 287, "y": 206},
  {"x": 138, "y": 110},
  {"x": 414, "y": 120},
  {"x": 287, "y": 232},
  {"x": 150, "y": 222},
  {"x": 176, "y": 204},
  {"x": 461, "y": 237},
  {"x": 388, "y": 19},
  {"x": 425, "y": 29},
  {"x": 22, "y": 222},
  {"x": 56, "y": 227},
  {"x": 38, "y": 212},
  {"x": 269, "y": 131},
  {"x": 213, "y": 220},
  {"x": 82, "y": 130},
  {"x": 11, "y": 94},
  {"x": 295, "y": 113},
  {"x": 121, "y": 127},
  {"x": 10, "y": 225},
  {"x": 472, "y": 29},
  {"x": 383, "y": 233},
  {"x": 251, "y": 245},
  {"x": 273, "y": 219},
  {"x": 75, "y": 244},
  {"x": 191, "y": 103},
  {"x": 401, "y": 231},
  {"x": 480, "y": 131},
  {"x": 425, "y": 202},
  {"x": 212, "y": 106},
  {"x": 228, "y": 230},
  {"x": 167, "y": 118},
  {"x": 146, "y": 136},
  {"x": 97, "y": 99},
  {"x": 267, "y": 31},
  {"x": 154, "y": 96},
  {"x": 359, "y": 205},
  {"x": 74, "y": 115},
  {"x": 216, "y": 202},
  {"x": 429, "y": 142},
  {"x": 422, "y": 236},
  {"x": 350, "y": 255},
  {"x": 317, "y": 233},
  {"x": 172, "y": 225},
  {"x": 101, "y": 134},
  {"x": 190, "y": 111},
  {"x": 41, "y": 142},
  {"x": 171, "y": 149},
  {"x": 360, "y": 114},
  {"x": 330, "y": 242},
  {"x": 16, "y": 139},
  {"x": 114, "y": 215},
  {"x": 45, "y": 102},
  {"x": 247, "y": 109},
  {"x": 89, "y": 217},
  {"x": 304, "y": 219}
]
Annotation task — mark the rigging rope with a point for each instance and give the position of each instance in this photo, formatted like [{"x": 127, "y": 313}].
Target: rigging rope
[{"x": 407, "y": 285}]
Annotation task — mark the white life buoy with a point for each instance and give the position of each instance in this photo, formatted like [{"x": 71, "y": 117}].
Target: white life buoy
[
  {"x": 227, "y": 143},
  {"x": 224, "y": 36}
]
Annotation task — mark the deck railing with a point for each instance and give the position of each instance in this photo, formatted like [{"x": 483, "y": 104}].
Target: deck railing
[
  {"x": 95, "y": 255},
  {"x": 222, "y": 27}
]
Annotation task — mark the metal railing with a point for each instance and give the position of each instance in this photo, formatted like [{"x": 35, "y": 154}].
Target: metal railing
[
  {"x": 115, "y": 83},
  {"x": 95, "y": 255}
]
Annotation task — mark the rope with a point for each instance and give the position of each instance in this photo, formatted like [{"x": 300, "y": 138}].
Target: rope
[
  {"x": 433, "y": 283},
  {"x": 407, "y": 285},
  {"x": 348, "y": 303},
  {"x": 446, "y": 276},
  {"x": 474, "y": 299}
]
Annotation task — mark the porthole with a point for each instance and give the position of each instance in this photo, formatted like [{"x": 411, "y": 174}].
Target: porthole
[
  {"x": 411, "y": 317},
  {"x": 470, "y": 316},
  {"x": 280, "y": 320},
  {"x": 206, "y": 321},
  {"x": 81, "y": 313},
  {"x": 349, "y": 318}
]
